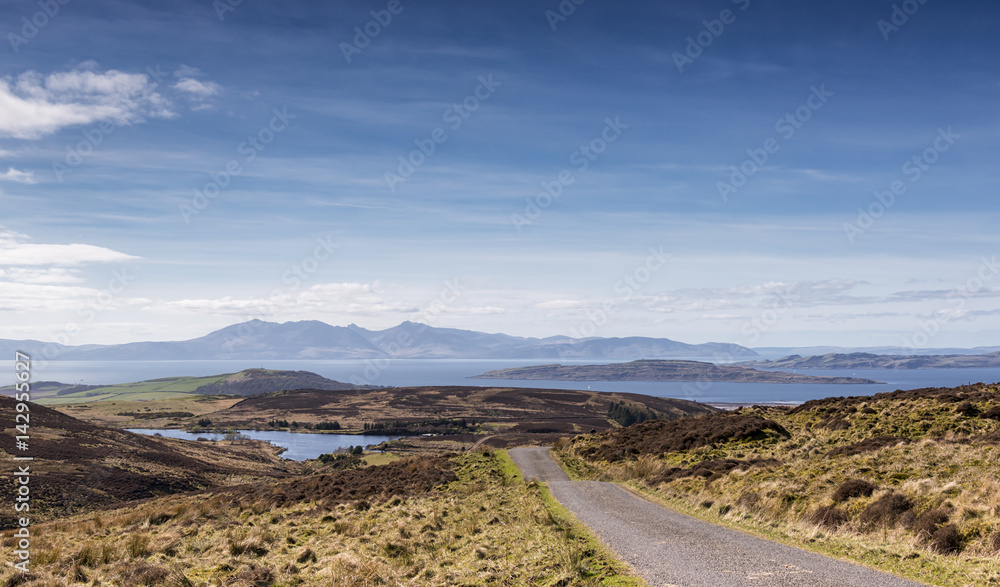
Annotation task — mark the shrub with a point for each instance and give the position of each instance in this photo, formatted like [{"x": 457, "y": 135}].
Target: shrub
[
  {"x": 992, "y": 413},
  {"x": 929, "y": 522},
  {"x": 853, "y": 488},
  {"x": 885, "y": 511},
  {"x": 828, "y": 515},
  {"x": 967, "y": 409},
  {"x": 946, "y": 540}
]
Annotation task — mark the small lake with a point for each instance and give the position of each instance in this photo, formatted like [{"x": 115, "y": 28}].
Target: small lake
[{"x": 301, "y": 446}]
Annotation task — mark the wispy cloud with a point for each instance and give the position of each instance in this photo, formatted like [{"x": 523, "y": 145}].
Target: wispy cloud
[
  {"x": 198, "y": 88},
  {"x": 14, "y": 251},
  {"x": 33, "y": 105},
  {"x": 18, "y": 176}
]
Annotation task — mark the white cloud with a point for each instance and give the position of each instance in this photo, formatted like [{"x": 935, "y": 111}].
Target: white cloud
[
  {"x": 41, "y": 298},
  {"x": 326, "y": 299},
  {"x": 193, "y": 86},
  {"x": 14, "y": 251},
  {"x": 18, "y": 176},
  {"x": 33, "y": 105},
  {"x": 560, "y": 305},
  {"x": 50, "y": 275},
  {"x": 351, "y": 298}
]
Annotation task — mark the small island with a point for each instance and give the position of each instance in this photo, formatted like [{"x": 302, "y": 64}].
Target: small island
[
  {"x": 870, "y": 361},
  {"x": 661, "y": 370}
]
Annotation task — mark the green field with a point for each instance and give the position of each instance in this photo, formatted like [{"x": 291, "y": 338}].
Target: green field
[{"x": 153, "y": 389}]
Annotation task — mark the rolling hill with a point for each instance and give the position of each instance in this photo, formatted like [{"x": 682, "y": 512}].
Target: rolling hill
[{"x": 246, "y": 382}]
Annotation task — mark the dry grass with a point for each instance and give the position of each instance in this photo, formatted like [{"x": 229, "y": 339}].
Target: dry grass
[
  {"x": 486, "y": 528},
  {"x": 907, "y": 483}
]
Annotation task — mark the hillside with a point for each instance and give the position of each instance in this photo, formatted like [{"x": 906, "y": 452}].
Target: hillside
[
  {"x": 510, "y": 412},
  {"x": 906, "y": 480},
  {"x": 461, "y": 520},
  {"x": 657, "y": 370},
  {"x": 81, "y": 465},
  {"x": 311, "y": 339},
  {"x": 246, "y": 382},
  {"x": 871, "y": 361}
]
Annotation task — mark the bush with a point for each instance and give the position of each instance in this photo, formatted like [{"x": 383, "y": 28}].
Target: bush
[
  {"x": 828, "y": 515},
  {"x": 885, "y": 511},
  {"x": 967, "y": 409},
  {"x": 992, "y": 413},
  {"x": 929, "y": 522},
  {"x": 853, "y": 488},
  {"x": 946, "y": 540}
]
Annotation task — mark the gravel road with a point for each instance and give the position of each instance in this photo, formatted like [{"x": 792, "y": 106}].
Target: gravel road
[{"x": 669, "y": 549}]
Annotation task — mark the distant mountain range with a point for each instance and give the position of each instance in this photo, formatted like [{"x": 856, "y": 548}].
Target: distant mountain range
[
  {"x": 312, "y": 339},
  {"x": 871, "y": 361}
]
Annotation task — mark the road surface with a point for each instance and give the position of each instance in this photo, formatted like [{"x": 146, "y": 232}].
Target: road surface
[{"x": 669, "y": 549}]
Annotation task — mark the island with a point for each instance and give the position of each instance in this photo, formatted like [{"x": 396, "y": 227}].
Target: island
[
  {"x": 870, "y": 361},
  {"x": 661, "y": 370}
]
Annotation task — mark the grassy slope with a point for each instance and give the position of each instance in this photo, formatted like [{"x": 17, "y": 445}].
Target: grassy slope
[
  {"x": 246, "y": 382},
  {"x": 152, "y": 389},
  {"x": 951, "y": 464},
  {"x": 163, "y": 413},
  {"x": 487, "y": 527},
  {"x": 79, "y": 465}
]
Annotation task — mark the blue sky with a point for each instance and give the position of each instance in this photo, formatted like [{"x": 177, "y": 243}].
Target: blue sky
[{"x": 165, "y": 172}]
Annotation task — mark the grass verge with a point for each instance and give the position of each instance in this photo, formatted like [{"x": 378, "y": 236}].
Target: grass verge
[{"x": 905, "y": 482}]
